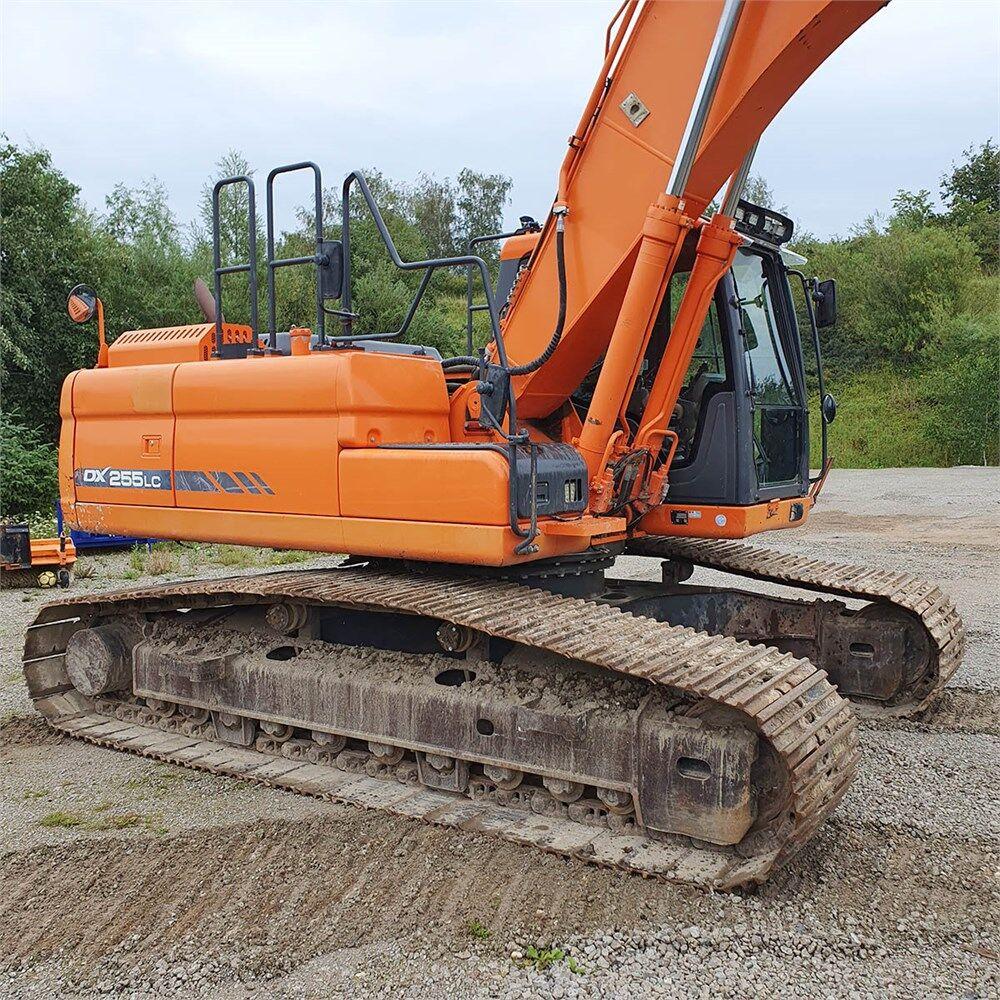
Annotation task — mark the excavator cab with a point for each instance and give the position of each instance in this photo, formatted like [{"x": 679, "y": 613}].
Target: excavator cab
[{"x": 742, "y": 417}]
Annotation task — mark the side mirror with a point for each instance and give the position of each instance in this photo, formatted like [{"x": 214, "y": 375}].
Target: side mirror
[
  {"x": 824, "y": 295},
  {"x": 331, "y": 271},
  {"x": 829, "y": 407},
  {"x": 82, "y": 304}
]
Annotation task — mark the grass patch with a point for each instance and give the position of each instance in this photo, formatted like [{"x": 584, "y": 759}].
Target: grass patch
[
  {"x": 85, "y": 569},
  {"x": 288, "y": 556},
  {"x": 160, "y": 781},
  {"x": 35, "y": 793},
  {"x": 102, "y": 820},
  {"x": 876, "y": 425},
  {"x": 137, "y": 559},
  {"x": 60, "y": 819},
  {"x": 237, "y": 555},
  {"x": 161, "y": 561},
  {"x": 543, "y": 957},
  {"x": 478, "y": 930},
  {"x": 248, "y": 556}
]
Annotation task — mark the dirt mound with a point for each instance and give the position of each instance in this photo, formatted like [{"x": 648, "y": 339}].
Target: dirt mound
[{"x": 29, "y": 730}]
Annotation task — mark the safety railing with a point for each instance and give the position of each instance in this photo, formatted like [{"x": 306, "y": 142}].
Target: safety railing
[
  {"x": 327, "y": 258},
  {"x": 429, "y": 266},
  {"x": 471, "y": 306},
  {"x": 249, "y": 268}
]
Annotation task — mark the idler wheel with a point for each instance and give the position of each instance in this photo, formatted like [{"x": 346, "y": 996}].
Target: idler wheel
[{"x": 99, "y": 660}]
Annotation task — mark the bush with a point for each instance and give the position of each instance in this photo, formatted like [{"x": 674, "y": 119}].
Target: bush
[
  {"x": 874, "y": 429},
  {"x": 28, "y": 472},
  {"x": 960, "y": 412},
  {"x": 894, "y": 287}
]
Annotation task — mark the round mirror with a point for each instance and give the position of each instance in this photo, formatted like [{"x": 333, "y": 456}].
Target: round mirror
[
  {"x": 81, "y": 304},
  {"x": 829, "y": 408}
]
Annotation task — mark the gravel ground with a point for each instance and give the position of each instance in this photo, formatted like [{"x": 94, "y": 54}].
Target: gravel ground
[{"x": 152, "y": 881}]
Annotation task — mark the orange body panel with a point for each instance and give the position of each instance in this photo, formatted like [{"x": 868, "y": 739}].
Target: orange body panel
[
  {"x": 711, "y": 521},
  {"x": 454, "y": 487},
  {"x": 474, "y": 544},
  {"x": 115, "y": 411},
  {"x": 172, "y": 343},
  {"x": 516, "y": 247}
]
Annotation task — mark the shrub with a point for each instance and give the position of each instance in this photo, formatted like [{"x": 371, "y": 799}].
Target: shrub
[
  {"x": 960, "y": 412},
  {"x": 28, "y": 471}
]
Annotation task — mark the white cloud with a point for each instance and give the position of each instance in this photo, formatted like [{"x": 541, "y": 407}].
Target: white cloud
[{"x": 123, "y": 91}]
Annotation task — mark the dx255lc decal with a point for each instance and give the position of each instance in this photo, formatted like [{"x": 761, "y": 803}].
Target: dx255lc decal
[
  {"x": 130, "y": 479},
  {"x": 185, "y": 480}
]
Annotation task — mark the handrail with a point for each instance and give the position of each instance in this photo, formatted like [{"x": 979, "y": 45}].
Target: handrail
[
  {"x": 430, "y": 265},
  {"x": 820, "y": 381},
  {"x": 470, "y": 308},
  {"x": 316, "y": 259},
  {"x": 250, "y": 267}
]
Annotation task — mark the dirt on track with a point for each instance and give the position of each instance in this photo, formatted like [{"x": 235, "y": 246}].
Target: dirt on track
[{"x": 127, "y": 878}]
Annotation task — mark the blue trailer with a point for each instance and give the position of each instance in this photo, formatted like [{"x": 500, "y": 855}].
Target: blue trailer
[{"x": 84, "y": 540}]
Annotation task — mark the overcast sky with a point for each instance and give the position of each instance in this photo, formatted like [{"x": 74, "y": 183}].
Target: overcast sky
[{"x": 125, "y": 91}]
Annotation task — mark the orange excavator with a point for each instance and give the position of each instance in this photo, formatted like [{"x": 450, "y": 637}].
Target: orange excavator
[{"x": 474, "y": 662}]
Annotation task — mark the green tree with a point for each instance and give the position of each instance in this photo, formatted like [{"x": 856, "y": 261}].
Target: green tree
[
  {"x": 29, "y": 470},
  {"x": 47, "y": 247},
  {"x": 480, "y": 200},
  {"x": 142, "y": 269},
  {"x": 971, "y": 191},
  {"x": 912, "y": 209}
]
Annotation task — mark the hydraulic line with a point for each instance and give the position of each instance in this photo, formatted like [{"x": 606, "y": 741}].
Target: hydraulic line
[{"x": 526, "y": 369}]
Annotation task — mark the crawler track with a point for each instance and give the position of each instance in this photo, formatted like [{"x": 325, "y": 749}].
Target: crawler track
[
  {"x": 900, "y": 591},
  {"x": 791, "y": 705}
]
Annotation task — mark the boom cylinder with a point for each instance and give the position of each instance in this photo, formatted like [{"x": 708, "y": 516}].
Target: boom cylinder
[
  {"x": 716, "y": 249},
  {"x": 703, "y": 101},
  {"x": 714, "y": 256},
  {"x": 662, "y": 238}
]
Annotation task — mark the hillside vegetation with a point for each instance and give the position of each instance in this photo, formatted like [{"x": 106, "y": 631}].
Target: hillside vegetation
[{"x": 913, "y": 359}]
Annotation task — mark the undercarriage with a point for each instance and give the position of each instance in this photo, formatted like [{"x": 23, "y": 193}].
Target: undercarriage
[{"x": 683, "y": 732}]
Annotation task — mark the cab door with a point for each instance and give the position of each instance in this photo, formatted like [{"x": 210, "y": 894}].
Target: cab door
[{"x": 772, "y": 364}]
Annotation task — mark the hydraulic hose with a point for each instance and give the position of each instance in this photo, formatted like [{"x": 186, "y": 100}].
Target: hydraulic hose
[{"x": 535, "y": 364}]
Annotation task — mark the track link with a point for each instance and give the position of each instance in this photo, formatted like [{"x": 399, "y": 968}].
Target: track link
[
  {"x": 919, "y": 598},
  {"x": 791, "y": 705}
]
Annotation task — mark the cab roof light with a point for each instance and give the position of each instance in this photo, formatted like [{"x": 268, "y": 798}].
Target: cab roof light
[{"x": 763, "y": 223}]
